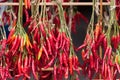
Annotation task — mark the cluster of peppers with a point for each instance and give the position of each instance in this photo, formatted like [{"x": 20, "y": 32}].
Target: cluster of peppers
[
  {"x": 101, "y": 48},
  {"x": 43, "y": 41}
]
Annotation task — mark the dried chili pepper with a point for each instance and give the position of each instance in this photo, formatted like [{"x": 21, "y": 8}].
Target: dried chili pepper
[
  {"x": 45, "y": 51},
  {"x": 49, "y": 64},
  {"x": 33, "y": 70},
  {"x": 66, "y": 73},
  {"x": 91, "y": 61}
]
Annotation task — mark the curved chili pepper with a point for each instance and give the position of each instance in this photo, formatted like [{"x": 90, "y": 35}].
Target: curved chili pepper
[
  {"x": 17, "y": 45},
  {"x": 19, "y": 64},
  {"x": 66, "y": 73},
  {"x": 109, "y": 73},
  {"x": 26, "y": 62},
  {"x": 49, "y": 46},
  {"x": 12, "y": 31},
  {"x": 45, "y": 75},
  {"x": 103, "y": 67},
  {"x": 26, "y": 15},
  {"x": 106, "y": 52},
  {"x": 33, "y": 70},
  {"x": 91, "y": 61},
  {"x": 118, "y": 68},
  {"x": 49, "y": 64},
  {"x": 64, "y": 57},
  {"x": 106, "y": 71},
  {"x": 45, "y": 51},
  {"x": 105, "y": 43},
  {"x": 14, "y": 43},
  {"x": 80, "y": 47},
  {"x": 63, "y": 44}
]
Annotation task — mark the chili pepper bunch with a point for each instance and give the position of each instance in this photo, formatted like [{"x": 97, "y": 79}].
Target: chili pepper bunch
[
  {"x": 100, "y": 50},
  {"x": 43, "y": 45}
]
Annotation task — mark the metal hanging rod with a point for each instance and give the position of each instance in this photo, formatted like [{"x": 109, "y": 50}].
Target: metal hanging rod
[{"x": 53, "y": 3}]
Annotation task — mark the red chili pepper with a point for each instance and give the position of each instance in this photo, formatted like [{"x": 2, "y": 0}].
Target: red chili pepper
[
  {"x": 60, "y": 41},
  {"x": 29, "y": 50},
  {"x": 17, "y": 77},
  {"x": 97, "y": 66},
  {"x": 14, "y": 43},
  {"x": 118, "y": 67},
  {"x": 49, "y": 64},
  {"x": 49, "y": 46},
  {"x": 114, "y": 75},
  {"x": 12, "y": 31},
  {"x": 26, "y": 15},
  {"x": 57, "y": 41},
  {"x": 106, "y": 52},
  {"x": 94, "y": 51},
  {"x": 19, "y": 64},
  {"x": 30, "y": 60},
  {"x": 101, "y": 38},
  {"x": 97, "y": 31},
  {"x": 105, "y": 71},
  {"x": 25, "y": 74},
  {"x": 45, "y": 75},
  {"x": 105, "y": 43},
  {"x": 26, "y": 62},
  {"x": 89, "y": 73},
  {"x": 109, "y": 73},
  {"x": 66, "y": 73},
  {"x": 80, "y": 47},
  {"x": 33, "y": 70},
  {"x": 91, "y": 61},
  {"x": 28, "y": 4},
  {"x": 46, "y": 53},
  {"x": 65, "y": 61},
  {"x": 17, "y": 45},
  {"x": 83, "y": 54},
  {"x": 35, "y": 47},
  {"x": 103, "y": 67},
  {"x": 63, "y": 44}
]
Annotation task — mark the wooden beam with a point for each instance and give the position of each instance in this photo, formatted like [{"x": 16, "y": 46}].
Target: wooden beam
[{"x": 53, "y": 3}]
